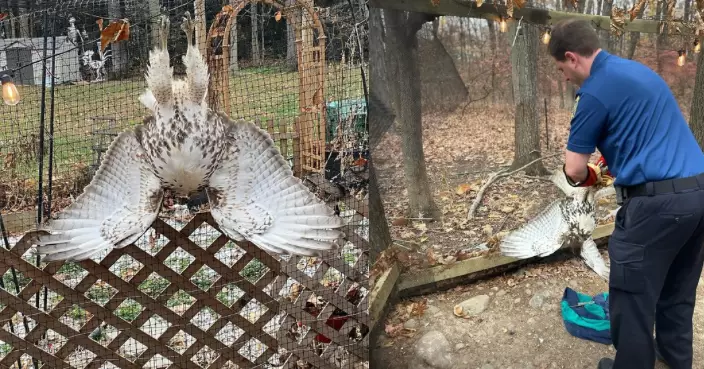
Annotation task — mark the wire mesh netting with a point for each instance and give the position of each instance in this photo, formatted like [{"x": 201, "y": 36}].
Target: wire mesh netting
[{"x": 184, "y": 295}]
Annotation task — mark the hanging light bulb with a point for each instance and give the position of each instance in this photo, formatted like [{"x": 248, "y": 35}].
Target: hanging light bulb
[
  {"x": 10, "y": 95},
  {"x": 502, "y": 25},
  {"x": 697, "y": 46},
  {"x": 546, "y": 37},
  {"x": 680, "y": 58}
]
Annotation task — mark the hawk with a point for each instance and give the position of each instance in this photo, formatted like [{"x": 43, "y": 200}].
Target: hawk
[
  {"x": 186, "y": 147},
  {"x": 568, "y": 222}
]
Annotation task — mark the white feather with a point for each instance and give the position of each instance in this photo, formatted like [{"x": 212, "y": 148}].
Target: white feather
[
  {"x": 116, "y": 208},
  {"x": 541, "y": 236},
  {"x": 255, "y": 196},
  {"x": 590, "y": 255}
]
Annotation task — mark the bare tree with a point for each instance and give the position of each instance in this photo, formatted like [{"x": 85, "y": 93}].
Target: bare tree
[
  {"x": 255, "y": 32},
  {"x": 401, "y": 44},
  {"x": 696, "y": 118},
  {"x": 524, "y": 66}
]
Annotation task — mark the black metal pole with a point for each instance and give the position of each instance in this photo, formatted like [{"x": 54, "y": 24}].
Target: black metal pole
[
  {"x": 51, "y": 129},
  {"x": 42, "y": 116}
]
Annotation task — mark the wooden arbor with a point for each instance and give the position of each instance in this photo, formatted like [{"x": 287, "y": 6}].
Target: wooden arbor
[{"x": 309, "y": 139}]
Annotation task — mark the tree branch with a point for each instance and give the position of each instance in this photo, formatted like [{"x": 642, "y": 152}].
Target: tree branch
[{"x": 494, "y": 177}]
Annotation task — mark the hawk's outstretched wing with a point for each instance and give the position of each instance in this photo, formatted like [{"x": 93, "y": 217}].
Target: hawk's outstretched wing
[
  {"x": 114, "y": 210},
  {"x": 541, "y": 236},
  {"x": 254, "y": 196}
]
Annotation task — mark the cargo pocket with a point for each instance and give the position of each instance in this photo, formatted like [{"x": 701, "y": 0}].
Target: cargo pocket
[{"x": 626, "y": 272}]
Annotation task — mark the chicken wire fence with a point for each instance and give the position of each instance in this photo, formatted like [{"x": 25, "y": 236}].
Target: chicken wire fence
[{"x": 184, "y": 295}]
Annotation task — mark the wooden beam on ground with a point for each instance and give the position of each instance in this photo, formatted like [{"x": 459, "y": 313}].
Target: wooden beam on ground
[
  {"x": 448, "y": 276},
  {"x": 379, "y": 295},
  {"x": 465, "y": 8}
]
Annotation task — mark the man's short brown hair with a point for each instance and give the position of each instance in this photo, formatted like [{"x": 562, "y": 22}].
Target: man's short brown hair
[{"x": 575, "y": 35}]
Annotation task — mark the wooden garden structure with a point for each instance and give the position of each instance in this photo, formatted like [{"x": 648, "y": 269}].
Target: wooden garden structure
[{"x": 309, "y": 127}]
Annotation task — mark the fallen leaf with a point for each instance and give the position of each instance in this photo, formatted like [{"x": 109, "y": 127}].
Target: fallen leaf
[
  {"x": 479, "y": 3},
  {"x": 118, "y": 30},
  {"x": 519, "y": 3},
  {"x": 277, "y": 16},
  {"x": 463, "y": 188},
  {"x": 399, "y": 222}
]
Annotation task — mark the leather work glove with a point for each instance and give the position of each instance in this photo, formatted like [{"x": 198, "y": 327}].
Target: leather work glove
[
  {"x": 606, "y": 177},
  {"x": 593, "y": 176},
  {"x": 601, "y": 162}
]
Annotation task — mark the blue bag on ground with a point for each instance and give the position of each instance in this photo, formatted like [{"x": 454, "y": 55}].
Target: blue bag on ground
[{"x": 585, "y": 316}]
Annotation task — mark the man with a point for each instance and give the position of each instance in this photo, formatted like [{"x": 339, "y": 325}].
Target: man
[{"x": 628, "y": 112}]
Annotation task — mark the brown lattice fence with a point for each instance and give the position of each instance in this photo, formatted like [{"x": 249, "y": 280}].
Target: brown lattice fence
[{"x": 237, "y": 319}]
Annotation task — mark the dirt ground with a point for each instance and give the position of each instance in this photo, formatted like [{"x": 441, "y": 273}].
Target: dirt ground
[{"x": 520, "y": 328}]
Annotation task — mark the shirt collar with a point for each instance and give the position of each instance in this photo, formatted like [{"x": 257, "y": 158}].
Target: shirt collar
[{"x": 599, "y": 61}]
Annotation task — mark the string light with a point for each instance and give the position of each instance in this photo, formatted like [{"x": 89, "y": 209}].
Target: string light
[
  {"x": 697, "y": 46},
  {"x": 546, "y": 37},
  {"x": 681, "y": 58},
  {"x": 10, "y": 95},
  {"x": 502, "y": 25}
]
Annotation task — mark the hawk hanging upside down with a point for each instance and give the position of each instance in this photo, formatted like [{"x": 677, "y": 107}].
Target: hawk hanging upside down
[
  {"x": 568, "y": 222},
  {"x": 186, "y": 147}
]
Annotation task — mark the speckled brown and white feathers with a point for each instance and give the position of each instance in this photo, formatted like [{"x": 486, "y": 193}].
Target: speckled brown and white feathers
[
  {"x": 185, "y": 147},
  {"x": 114, "y": 210},
  {"x": 253, "y": 195},
  {"x": 568, "y": 222},
  {"x": 184, "y": 140}
]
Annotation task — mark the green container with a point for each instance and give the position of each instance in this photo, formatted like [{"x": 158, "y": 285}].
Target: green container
[{"x": 341, "y": 111}]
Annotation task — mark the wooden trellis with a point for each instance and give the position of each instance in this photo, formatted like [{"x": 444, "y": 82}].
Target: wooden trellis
[
  {"x": 289, "y": 309},
  {"x": 309, "y": 135}
]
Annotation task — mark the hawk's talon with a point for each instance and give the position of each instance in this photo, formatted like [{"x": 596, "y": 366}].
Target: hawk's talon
[
  {"x": 188, "y": 26},
  {"x": 164, "y": 25}
]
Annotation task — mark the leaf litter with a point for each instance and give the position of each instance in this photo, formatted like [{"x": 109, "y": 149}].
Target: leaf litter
[{"x": 462, "y": 151}]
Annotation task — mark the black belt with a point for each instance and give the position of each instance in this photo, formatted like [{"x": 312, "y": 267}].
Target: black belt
[{"x": 664, "y": 187}]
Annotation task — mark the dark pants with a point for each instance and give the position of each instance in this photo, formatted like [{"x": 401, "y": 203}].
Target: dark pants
[{"x": 656, "y": 260}]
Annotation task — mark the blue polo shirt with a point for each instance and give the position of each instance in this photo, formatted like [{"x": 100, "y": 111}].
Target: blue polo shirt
[{"x": 629, "y": 113}]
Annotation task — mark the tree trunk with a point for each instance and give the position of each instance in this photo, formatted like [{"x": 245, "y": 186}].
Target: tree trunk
[
  {"x": 233, "y": 63},
  {"x": 380, "y": 98},
  {"x": 492, "y": 42},
  {"x": 524, "y": 56},
  {"x": 255, "y": 33},
  {"x": 696, "y": 116},
  {"x": 402, "y": 46},
  {"x": 442, "y": 87},
  {"x": 154, "y": 10},
  {"x": 635, "y": 37},
  {"x": 291, "y": 55},
  {"x": 660, "y": 38},
  {"x": 607, "y": 41},
  {"x": 119, "y": 58},
  {"x": 23, "y": 11},
  {"x": 379, "y": 235}
]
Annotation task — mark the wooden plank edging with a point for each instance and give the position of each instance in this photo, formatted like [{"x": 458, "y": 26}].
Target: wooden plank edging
[{"x": 448, "y": 276}]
